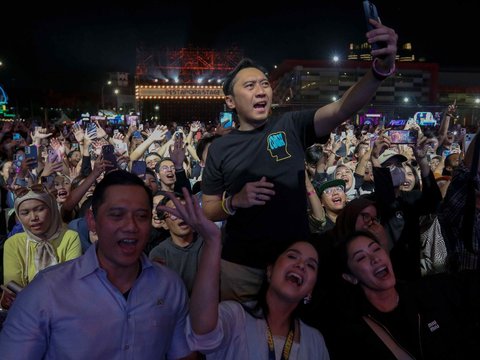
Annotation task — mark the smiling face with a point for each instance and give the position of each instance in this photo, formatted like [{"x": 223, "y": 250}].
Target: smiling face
[
  {"x": 34, "y": 216},
  {"x": 63, "y": 186},
  {"x": 251, "y": 98},
  {"x": 334, "y": 198},
  {"x": 294, "y": 273},
  {"x": 75, "y": 157},
  {"x": 345, "y": 174},
  {"x": 122, "y": 223},
  {"x": 152, "y": 160},
  {"x": 167, "y": 175},
  {"x": 366, "y": 217},
  {"x": 156, "y": 221},
  {"x": 410, "y": 180},
  {"x": 369, "y": 265}
]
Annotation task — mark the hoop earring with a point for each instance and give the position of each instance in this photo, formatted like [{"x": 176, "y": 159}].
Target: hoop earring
[{"x": 307, "y": 299}]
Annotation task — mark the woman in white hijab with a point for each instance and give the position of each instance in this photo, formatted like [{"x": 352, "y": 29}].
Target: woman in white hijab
[{"x": 46, "y": 240}]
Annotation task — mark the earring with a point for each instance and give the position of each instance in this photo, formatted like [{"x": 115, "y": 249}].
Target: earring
[{"x": 307, "y": 299}]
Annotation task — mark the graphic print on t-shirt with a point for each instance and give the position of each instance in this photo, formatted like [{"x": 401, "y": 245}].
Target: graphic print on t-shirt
[{"x": 277, "y": 146}]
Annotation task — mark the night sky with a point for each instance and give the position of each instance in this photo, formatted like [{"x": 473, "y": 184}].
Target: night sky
[{"x": 47, "y": 47}]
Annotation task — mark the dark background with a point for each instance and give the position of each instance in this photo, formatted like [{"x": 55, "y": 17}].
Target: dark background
[{"x": 73, "y": 46}]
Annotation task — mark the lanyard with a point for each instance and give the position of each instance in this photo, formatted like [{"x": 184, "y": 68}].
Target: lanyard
[{"x": 287, "y": 347}]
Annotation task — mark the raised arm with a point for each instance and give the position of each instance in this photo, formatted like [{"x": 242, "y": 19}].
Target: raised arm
[
  {"x": 356, "y": 97},
  {"x": 451, "y": 113},
  {"x": 157, "y": 135},
  {"x": 205, "y": 294}
]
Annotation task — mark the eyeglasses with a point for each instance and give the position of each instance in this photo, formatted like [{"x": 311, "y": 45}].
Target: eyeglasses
[
  {"x": 331, "y": 190},
  {"x": 36, "y": 188},
  {"x": 165, "y": 168},
  {"x": 367, "y": 218}
]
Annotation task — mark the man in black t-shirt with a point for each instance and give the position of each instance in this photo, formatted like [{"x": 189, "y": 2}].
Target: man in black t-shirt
[{"x": 255, "y": 175}]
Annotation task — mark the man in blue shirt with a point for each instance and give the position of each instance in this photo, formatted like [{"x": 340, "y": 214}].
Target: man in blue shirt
[{"x": 112, "y": 302}]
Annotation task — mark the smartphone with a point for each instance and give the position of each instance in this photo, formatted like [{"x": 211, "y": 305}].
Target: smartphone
[
  {"x": 226, "y": 119},
  {"x": 53, "y": 156},
  {"x": 139, "y": 167},
  {"x": 121, "y": 148},
  {"x": 108, "y": 152},
  {"x": 137, "y": 135},
  {"x": 92, "y": 130},
  {"x": 17, "y": 160},
  {"x": 21, "y": 182},
  {"x": 140, "y": 127},
  {"x": 16, "y": 136},
  {"x": 31, "y": 153},
  {"x": 371, "y": 13},
  {"x": 403, "y": 136}
]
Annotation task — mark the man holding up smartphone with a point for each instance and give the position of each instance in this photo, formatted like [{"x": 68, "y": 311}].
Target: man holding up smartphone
[{"x": 255, "y": 177}]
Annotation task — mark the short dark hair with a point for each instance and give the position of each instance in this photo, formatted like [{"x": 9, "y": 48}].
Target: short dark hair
[
  {"x": 154, "y": 154},
  {"x": 203, "y": 142},
  {"x": 164, "y": 201},
  {"x": 150, "y": 172},
  {"x": 117, "y": 177},
  {"x": 162, "y": 160},
  {"x": 243, "y": 64},
  {"x": 314, "y": 154}
]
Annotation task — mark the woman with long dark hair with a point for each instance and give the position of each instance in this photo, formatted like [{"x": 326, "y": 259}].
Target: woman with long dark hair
[{"x": 270, "y": 329}]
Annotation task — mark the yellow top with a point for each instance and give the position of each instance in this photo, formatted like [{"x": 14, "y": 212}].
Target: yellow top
[{"x": 18, "y": 260}]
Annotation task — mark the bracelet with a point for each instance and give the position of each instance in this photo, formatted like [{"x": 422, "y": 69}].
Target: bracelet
[
  {"x": 310, "y": 193},
  {"x": 227, "y": 204},
  {"x": 381, "y": 75},
  {"x": 452, "y": 115}
]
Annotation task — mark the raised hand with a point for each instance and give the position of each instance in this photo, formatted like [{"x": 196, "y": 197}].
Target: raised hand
[
  {"x": 177, "y": 152},
  {"x": 57, "y": 146},
  {"x": 78, "y": 132},
  {"x": 191, "y": 212},
  {"x": 100, "y": 131}
]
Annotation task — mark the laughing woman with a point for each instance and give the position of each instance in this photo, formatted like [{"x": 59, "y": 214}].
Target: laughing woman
[
  {"x": 270, "y": 328},
  {"x": 435, "y": 317},
  {"x": 45, "y": 242}
]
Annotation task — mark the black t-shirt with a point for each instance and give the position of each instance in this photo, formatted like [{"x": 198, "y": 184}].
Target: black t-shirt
[{"x": 276, "y": 151}]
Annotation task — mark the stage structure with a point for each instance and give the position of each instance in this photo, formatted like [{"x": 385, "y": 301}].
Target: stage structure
[{"x": 183, "y": 84}]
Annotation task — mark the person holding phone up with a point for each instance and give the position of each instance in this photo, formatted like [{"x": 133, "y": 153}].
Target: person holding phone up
[
  {"x": 255, "y": 177},
  {"x": 400, "y": 210}
]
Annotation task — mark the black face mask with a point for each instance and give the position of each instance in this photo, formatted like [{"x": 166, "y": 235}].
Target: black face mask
[{"x": 398, "y": 176}]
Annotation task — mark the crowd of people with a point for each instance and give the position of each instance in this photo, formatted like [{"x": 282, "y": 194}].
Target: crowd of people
[{"x": 292, "y": 235}]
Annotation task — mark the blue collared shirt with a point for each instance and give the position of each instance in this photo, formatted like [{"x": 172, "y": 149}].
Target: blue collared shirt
[{"x": 72, "y": 311}]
